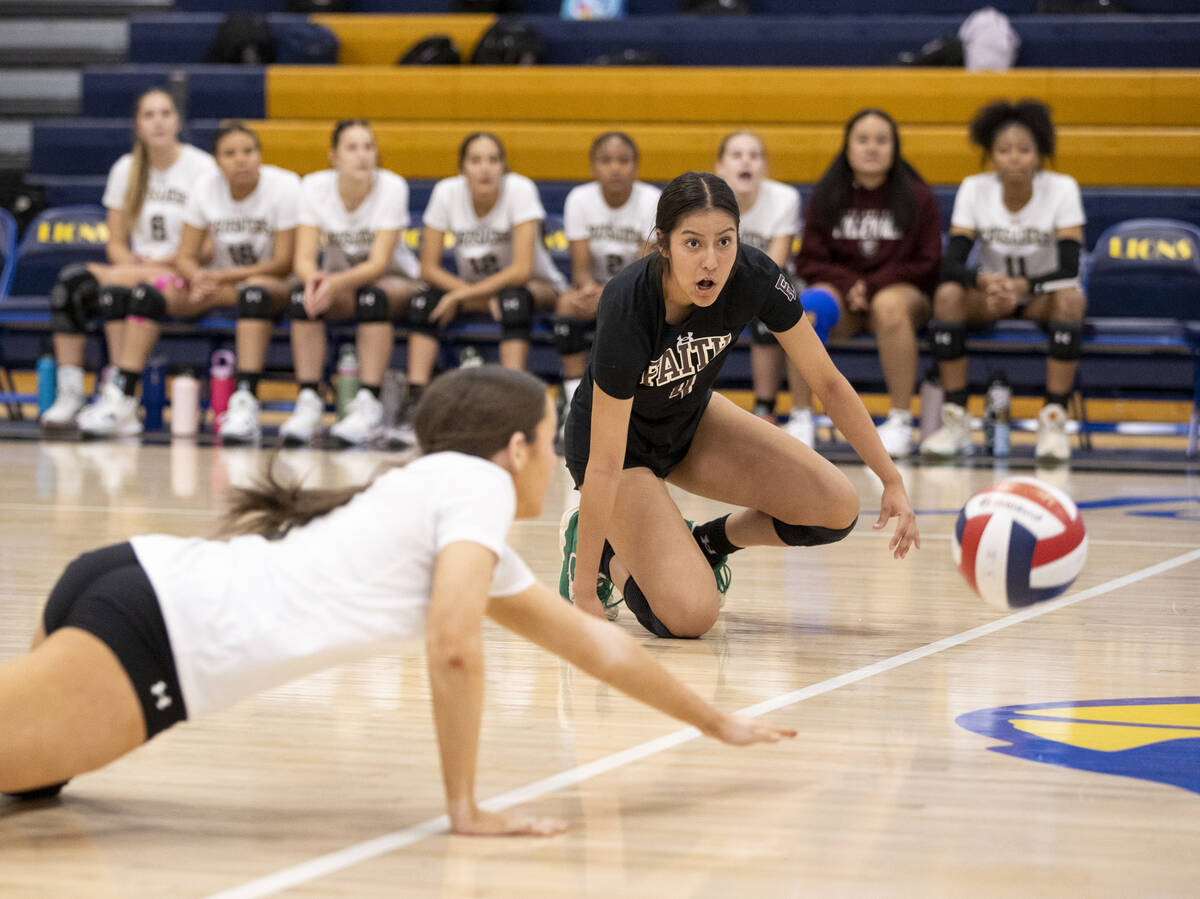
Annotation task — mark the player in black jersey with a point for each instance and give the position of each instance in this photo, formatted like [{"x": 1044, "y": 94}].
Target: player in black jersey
[{"x": 646, "y": 415}]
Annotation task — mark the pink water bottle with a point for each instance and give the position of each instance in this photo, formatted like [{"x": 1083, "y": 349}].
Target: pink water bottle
[{"x": 220, "y": 386}]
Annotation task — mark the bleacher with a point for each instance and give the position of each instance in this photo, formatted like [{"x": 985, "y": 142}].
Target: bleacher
[{"x": 1125, "y": 90}]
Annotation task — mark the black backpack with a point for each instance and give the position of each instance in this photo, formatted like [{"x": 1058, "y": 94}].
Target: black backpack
[
  {"x": 22, "y": 199},
  {"x": 479, "y": 6},
  {"x": 435, "y": 50},
  {"x": 716, "y": 7},
  {"x": 243, "y": 38},
  {"x": 509, "y": 44},
  {"x": 317, "y": 6}
]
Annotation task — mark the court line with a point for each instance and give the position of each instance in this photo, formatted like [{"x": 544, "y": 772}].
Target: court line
[{"x": 369, "y": 849}]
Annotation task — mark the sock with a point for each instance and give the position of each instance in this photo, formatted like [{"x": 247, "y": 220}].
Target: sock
[
  {"x": 314, "y": 386},
  {"x": 1063, "y": 399},
  {"x": 373, "y": 388},
  {"x": 248, "y": 380},
  {"x": 712, "y": 540},
  {"x": 764, "y": 407},
  {"x": 127, "y": 381},
  {"x": 958, "y": 397}
]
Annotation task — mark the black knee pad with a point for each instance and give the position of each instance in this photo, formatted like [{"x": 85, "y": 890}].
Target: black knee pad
[
  {"x": 370, "y": 304},
  {"x": 47, "y": 792},
  {"x": 810, "y": 534},
  {"x": 296, "y": 310},
  {"x": 635, "y": 599},
  {"x": 147, "y": 301},
  {"x": 948, "y": 340},
  {"x": 516, "y": 313},
  {"x": 761, "y": 335},
  {"x": 420, "y": 307},
  {"x": 254, "y": 303},
  {"x": 114, "y": 303},
  {"x": 570, "y": 335},
  {"x": 1065, "y": 340},
  {"x": 74, "y": 299}
]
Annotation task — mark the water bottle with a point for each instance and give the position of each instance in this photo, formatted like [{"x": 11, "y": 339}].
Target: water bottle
[
  {"x": 347, "y": 378},
  {"x": 391, "y": 395},
  {"x": 220, "y": 386},
  {"x": 47, "y": 381},
  {"x": 154, "y": 392},
  {"x": 997, "y": 415},
  {"x": 932, "y": 396},
  {"x": 185, "y": 405}
]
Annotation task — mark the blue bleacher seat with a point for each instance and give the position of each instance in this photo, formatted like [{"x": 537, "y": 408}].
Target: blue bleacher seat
[
  {"x": 184, "y": 38},
  {"x": 212, "y": 92},
  {"x": 58, "y": 237},
  {"x": 1146, "y": 268},
  {"x": 8, "y": 251}
]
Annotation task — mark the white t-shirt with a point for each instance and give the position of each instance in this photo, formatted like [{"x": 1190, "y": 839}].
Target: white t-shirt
[
  {"x": 243, "y": 231},
  {"x": 347, "y": 235},
  {"x": 483, "y": 244},
  {"x": 159, "y": 226},
  {"x": 1022, "y": 244},
  {"x": 614, "y": 236},
  {"x": 776, "y": 213},
  {"x": 247, "y": 614}
]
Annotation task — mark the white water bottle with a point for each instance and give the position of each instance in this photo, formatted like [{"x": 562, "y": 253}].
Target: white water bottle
[{"x": 185, "y": 405}]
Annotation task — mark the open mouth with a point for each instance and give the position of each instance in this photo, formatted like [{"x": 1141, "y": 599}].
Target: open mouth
[{"x": 704, "y": 285}]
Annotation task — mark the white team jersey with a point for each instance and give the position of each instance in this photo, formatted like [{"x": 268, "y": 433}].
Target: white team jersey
[
  {"x": 247, "y": 614},
  {"x": 347, "y": 235},
  {"x": 614, "y": 236},
  {"x": 1022, "y": 244},
  {"x": 776, "y": 213},
  {"x": 159, "y": 226},
  {"x": 483, "y": 244},
  {"x": 243, "y": 231}
]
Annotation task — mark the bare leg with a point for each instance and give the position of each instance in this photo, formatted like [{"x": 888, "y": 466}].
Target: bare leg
[
  {"x": 950, "y": 305},
  {"x": 1066, "y": 305},
  {"x": 897, "y": 312},
  {"x": 766, "y": 370}
]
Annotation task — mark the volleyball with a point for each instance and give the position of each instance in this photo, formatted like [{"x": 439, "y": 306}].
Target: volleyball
[{"x": 1019, "y": 542}]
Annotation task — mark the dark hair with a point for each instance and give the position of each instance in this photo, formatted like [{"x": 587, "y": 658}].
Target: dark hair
[
  {"x": 468, "y": 410},
  {"x": 342, "y": 125},
  {"x": 139, "y": 168},
  {"x": 234, "y": 126},
  {"x": 474, "y": 136},
  {"x": 1034, "y": 115},
  {"x": 831, "y": 195},
  {"x": 688, "y": 193},
  {"x": 744, "y": 132},
  {"x": 612, "y": 135}
]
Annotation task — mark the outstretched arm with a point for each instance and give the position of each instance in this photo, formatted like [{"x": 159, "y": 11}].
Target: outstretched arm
[{"x": 609, "y": 654}]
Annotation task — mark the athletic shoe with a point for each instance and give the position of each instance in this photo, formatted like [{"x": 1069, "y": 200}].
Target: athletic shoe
[
  {"x": 240, "y": 424},
  {"x": 113, "y": 415},
  {"x": 953, "y": 438},
  {"x": 305, "y": 420},
  {"x": 896, "y": 433},
  {"x": 800, "y": 425},
  {"x": 1052, "y": 445},
  {"x": 721, "y": 572},
  {"x": 68, "y": 401},
  {"x": 568, "y": 538},
  {"x": 363, "y": 423}
]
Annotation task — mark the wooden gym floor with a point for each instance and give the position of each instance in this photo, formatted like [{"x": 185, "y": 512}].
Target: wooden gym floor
[{"x": 911, "y": 774}]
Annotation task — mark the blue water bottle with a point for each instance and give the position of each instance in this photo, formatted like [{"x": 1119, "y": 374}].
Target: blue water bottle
[
  {"x": 154, "y": 393},
  {"x": 47, "y": 381}
]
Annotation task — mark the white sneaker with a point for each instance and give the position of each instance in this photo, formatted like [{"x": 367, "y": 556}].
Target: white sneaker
[
  {"x": 800, "y": 425},
  {"x": 401, "y": 434},
  {"x": 896, "y": 433},
  {"x": 1052, "y": 445},
  {"x": 68, "y": 400},
  {"x": 240, "y": 424},
  {"x": 305, "y": 420},
  {"x": 363, "y": 423},
  {"x": 953, "y": 438},
  {"x": 113, "y": 415}
]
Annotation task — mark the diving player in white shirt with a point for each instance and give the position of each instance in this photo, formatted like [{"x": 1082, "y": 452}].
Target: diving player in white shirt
[
  {"x": 1029, "y": 225},
  {"x": 353, "y": 264},
  {"x": 608, "y": 224},
  {"x": 140, "y": 636},
  {"x": 145, "y": 197}
]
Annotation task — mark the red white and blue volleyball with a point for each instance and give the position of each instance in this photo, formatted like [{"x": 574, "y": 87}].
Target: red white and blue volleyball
[{"x": 1019, "y": 542}]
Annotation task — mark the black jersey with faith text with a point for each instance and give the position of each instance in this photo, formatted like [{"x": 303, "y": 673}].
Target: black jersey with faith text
[{"x": 669, "y": 369}]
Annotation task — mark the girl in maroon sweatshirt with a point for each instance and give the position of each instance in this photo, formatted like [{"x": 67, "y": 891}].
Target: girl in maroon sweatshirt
[{"x": 872, "y": 241}]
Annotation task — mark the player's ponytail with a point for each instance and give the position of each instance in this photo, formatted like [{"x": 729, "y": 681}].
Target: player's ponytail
[
  {"x": 139, "y": 169},
  {"x": 474, "y": 411}
]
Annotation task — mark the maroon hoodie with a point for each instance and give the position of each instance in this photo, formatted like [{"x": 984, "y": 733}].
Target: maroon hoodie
[{"x": 866, "y": 244}]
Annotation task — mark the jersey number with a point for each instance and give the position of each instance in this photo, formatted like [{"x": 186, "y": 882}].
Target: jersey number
[
  {"x": 158, "y": 228},
  {"x": 683, "y": 388},
  {"x": 1015, "y": 266},
  {"x": 484, "y": 266},
  {"x": 243, "y": 254}
]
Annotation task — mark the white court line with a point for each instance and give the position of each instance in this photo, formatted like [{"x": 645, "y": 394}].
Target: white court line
[{"x": 360, "y": 852}]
